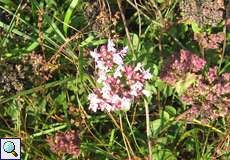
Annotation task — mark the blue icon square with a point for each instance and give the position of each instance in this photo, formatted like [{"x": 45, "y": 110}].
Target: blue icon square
[{"x": 10, "y": 148}]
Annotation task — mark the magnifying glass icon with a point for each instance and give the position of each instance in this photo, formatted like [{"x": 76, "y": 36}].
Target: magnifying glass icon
[{"x": 9, "y": 147}]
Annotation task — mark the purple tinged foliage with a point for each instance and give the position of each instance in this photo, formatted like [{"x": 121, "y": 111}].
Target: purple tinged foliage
[
  {"x": 65, "y": 143},
  {"x": 209, "y": 95}
]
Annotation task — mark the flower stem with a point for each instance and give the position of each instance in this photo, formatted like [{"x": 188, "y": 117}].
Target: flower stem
[
  {"x": 122, "y": 132},
  {"x": 120, "y": 127},
  {"x": 126, "y": 28},
  {"x": 207, "y": 125},
  {"x": 130, "y": 127},
  {"x": 148, "y": 129}
]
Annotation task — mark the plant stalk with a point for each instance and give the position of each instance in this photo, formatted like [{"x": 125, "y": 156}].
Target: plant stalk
[
  {"x": 122, "y": 132},
  {"x": 148, "y": 129}
]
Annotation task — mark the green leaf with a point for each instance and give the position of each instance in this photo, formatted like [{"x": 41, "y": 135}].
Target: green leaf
[
  {"x": 162, "y": 140},
  {"x": 68, "y": 14},
  {"x": 168, "y": 91},
  {"x": 99, "y": 42},
  {"x": 164, "y": 115},
  {"x": 158, "y": 124},
  {"x": 135, "y": 41},
  {"x": 171, "y": 110},
  {"x": 155, "y": 126},
  {"x": 160, "y": 84},
  {"x": 155, "y": 70},
  {"x": 160, "y": 1},
  {"x": 61, "y": 98},
  {"x": 195, "y": 27},
  {"x": 162, "y": 154},
  {"x": 183, "y": 85},
  {"x": 189, "y": 133},
  {"x": 151, "y": 88},
  {"x": 62, "y": 101},
  {"x": 8, "y": 55}
]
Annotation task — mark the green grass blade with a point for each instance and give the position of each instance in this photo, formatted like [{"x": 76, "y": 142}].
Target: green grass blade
[
  {"x": 7, "y": 2},
  {"x": 55, "y": 27},
  {"x": 17, "y": 32},
  {"x": 68, "y": 14},
  {"x": 11, "y": 26},
  {"x": 35, "y": 43},
  {"x": 49, "y": 131},
  {"x": 49, "y": 20},
  {"x": 36, "y": 89}
]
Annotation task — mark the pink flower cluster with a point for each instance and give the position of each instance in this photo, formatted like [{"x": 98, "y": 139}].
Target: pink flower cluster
[
  {"x": 211, "y": 41},
  {"x": 120, "y": 83},
  {"x": 209, "y": 96},
  {"x": 176, "y": 69}
]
